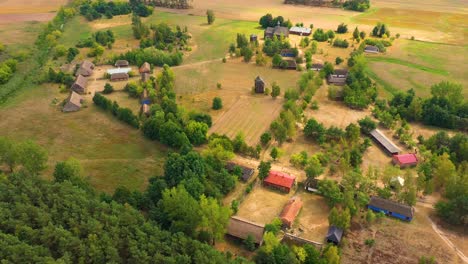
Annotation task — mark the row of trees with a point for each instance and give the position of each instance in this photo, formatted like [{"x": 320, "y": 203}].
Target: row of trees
[
  {"x": 355, "y": 5},
  {"x": 179, "y": 4},
  {"x": 93, "y": 10},
  {"x": 268, "y": 21},
  {"x": 122, "y": 113}
]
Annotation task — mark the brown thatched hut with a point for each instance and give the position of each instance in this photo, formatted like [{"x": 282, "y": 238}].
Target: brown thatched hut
[
  {"x": 145, "y": 68},
  {"x": 121, "y": 63},
  {"x": 119, "y": 76},
  {"x": 73, "y": 103},
  {"x": 86, "y": 69},
  {"x": 80, "y": 84}
]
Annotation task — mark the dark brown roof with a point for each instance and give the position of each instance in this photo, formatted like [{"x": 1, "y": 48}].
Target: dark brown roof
[
  {"x": 340, "y": 73},
  {"x": 370, "y": 48},
  {"x": 86, "y": 68},
  {"x": 291, "y": 64},
  {"x": 145, "y": 68},
  {"x": 259, "y": 79},
  {"x": 242, "y": 228},
  {"x": 73, "y": 102},
  {"x": 384, "y": 141},
  {"x": 81, "y": 81},
  {"x": 278, "y": 30},
  {"x": 332, "y": 79},
  {"x": 246, "y": 171},
  {"x": 317, "y": 66},
  {"x": 392, "y": 206},
  {"x": 121, "y": 63},
  {"x": 119, "y": 76}
]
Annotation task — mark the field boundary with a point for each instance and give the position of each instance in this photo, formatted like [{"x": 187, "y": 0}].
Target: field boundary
[{"x": 408, "y": 64}]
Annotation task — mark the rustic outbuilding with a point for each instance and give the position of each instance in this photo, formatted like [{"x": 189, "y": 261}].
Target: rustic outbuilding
[
  {"x": 290, "y": 211},
  {"x": 301, "y": 31},
  {"x": 121, "y": 63},
  {"x": 73, "y": 103},
  {"x": 276, "y": 31},
  {"x": 119, "y": 76},
  {"x": 80, "y": 84},
  {"x": 338, "y": 77},
  {"x": 241, "y": 228},
  {"x": 317, "y": 67},
  {"x": 391, "y": 208},
  {"x": 246, "y": 171},
  {"x": 385, "y": 142},
  {"x": 253, "y": 38},
  {"x": 371, "y": 49},
  {"x": 291, "y": 64},
  {"x": 259, "y": 85},
  {"x": 334, "y": 235},
  {"x": 280, "y": 181},
  {"x": 145, "y": 68},
  {"x": 86, "y": 69},
  {"x": 405, "y": 160}
]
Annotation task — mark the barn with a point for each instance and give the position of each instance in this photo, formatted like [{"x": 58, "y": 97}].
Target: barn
[
  {"x": 301, "y": 31},
  {"x": 86, "y": 69},
  {"x": 338, "y": 77},
  {"x": 241, "y": 228},
  {"x": 121, "y": 63},
  {"x": 73, "y": 103},
  {"x": 290, "y": 211},
  {"x": 384, "y": 142},
  {"x": 317, "y": 67},
  {"x": 80, "y": 84},
  {"x": 246, "y": 171},
  {"x": 391, "y": 208},
  {"x": 276, "y": 31},
  {"x": 405, "y": 160},
  {"x": 334, "y": 235},
  {"x": 119, "y": 76},
  {"x": 279, "y": 180},
  {"x": 259, "y": 85}
]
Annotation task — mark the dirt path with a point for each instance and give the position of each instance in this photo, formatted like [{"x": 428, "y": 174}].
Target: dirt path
[
  {"x": 447, "y": 241},
  {"x": 196, "y": 63}
]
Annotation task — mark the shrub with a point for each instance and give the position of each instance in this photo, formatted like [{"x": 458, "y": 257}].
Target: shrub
[
  {"x": 108, "y": 88},
  {"x": 217, "y": 103}
]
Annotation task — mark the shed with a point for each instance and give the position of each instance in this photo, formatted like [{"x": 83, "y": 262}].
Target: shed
[
  {"x": 371, "y": 49},
  {"x": 73, "y": 103},
  {"x": 259, "y": 85},
  {"x": 241, "y": 228},
  {"x": 86, "y": 69},
  {"x": 80, "y": 84},
  {"x": 338, "y": 77},
  {"x": 120, "y": 76},
  {"x": 311, "y": 185},
  {"x": 385, "y": 142},
  {"x": 145, "y": 68},
  {"x": 334, "y": 235},
  {"x": 246, "y": 171},
  {"x": 276, "y": 31},
  {"x": 317, "y": 67},
  {"x": 290, "y": 211},
  {"x": 121, "y": 63},
  {"x": 302, "y": 31},
  {"x": 391, "y": 208},
  {"x": 253, "y": 38},
  {"x": 405, "y": 160},
  {"x": 119, "y": 70},
  {"x": 280, "y": 180}
]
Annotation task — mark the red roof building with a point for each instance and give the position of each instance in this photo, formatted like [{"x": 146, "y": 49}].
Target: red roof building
[
  {"x": 405, "y": 160},
  {"x": 280, "y": 180},
  {"x": 290, "y": 211}
]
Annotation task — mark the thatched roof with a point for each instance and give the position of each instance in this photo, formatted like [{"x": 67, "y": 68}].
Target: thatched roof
[
  {"x": 392, "y": 206},
  {"x": 371, "y": 49},
  {"x": 278, "y": 31},
  {"x": 86, "y": 68},
  {"x": 384, "y": 141},
  {"x": 290, "y": 211},
  {"x": 145, "y": 68},
  {"x": 121, "y": 63},
  {"x": 73, "y": 102},
  {"x": 242, "y": 228},
  {"x": 81, "y": 81},
  {"x": 119, "y": 76}
]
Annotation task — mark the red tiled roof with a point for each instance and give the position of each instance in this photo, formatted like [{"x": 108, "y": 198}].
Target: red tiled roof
[
  {"x": 291, "y": 210},
  {"x": 280, "y": 179},
  {"x": 406, "y": 158}
]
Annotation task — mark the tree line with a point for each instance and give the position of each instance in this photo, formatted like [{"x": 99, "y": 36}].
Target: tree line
[
  {"x": 355, "y": 5},
  {"x": 93, "y": 10}
]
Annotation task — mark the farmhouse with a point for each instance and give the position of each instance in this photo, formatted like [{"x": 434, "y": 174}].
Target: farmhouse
[
  {"x": 317, "y": 67},
  {"x": 276, "y": 31},
  {"x": 145, "y": 68},
  {"x": 280, "y": 180},
  {"x": 259, "y": 85},
  {"x": 246, "y": 171},
  {"x": 290, "y": 211},
  {"x": 371, "y": 49},
  {"x": 242, "y": 228},
  {"x": 119, "y": 76},
  {"x": 73, "y": 103},
  {"x": 334, "y": 235},
  {"x": 86, "y": 69},
  {"x": 253, "y": 38},
  {"x": 384, "y": 142},
  {"x": 302, "y": 31},
  {"x": 405, "y": 160},
  {"x": 391, "y": 208},
  {"x": 121, "y": 63},
  {"x": 338, "y": 77},
  {"x": 80, "y": 84}
]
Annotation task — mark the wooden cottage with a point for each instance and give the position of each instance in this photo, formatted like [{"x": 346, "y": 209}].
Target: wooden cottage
[
  {"x": 384, "y": 142},
  {"x": 391, "y": 208},
  {"x": 121, "y": 63},
  {"x": 246, "y": 171},
  {"x": 277, "y": 31},
  {"x": 279, "y": 180},
  {"x": 301, "y": 31},
  {"x": 80, "y": 84},
  {"x": 145, "y": 68},
  {"x": 73, "y": 103},
  {"x": 241, "y": 228},
  {"x": 334, "y": 235},
  {"x": 405, "y": 160},
  {"x": 317, "y": 67},
  {"x": 86, "y": 69},
  {"x": 259, "y": 85},
  {"x": 290, "y": 211},
  {"x": 119, "y": 76},
  {"x": 371, "y": 49},
  {"x": 338, "y": 77}
]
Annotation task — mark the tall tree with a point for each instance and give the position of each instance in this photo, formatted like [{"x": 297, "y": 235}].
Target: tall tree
[{"x": 214, "y": 218}]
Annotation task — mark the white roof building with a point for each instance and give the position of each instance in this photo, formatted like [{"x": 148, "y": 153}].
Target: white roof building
[{"x": 118, "y": 70}]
